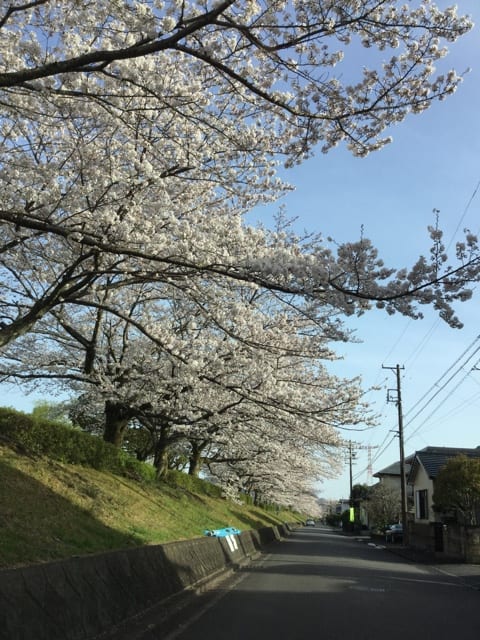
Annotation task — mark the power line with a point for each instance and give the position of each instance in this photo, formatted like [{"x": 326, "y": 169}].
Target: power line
[
  {"x": 440, "y": 389},
  {"x": 387, "y": 357},
  {"x": 381, "y": 451},
  {"x": 385, "y": 445},
  {"x": 444, "y": 400},
  {"x": 382, "y": 448},
  {"x": 435, "y": 384},
  {"x": 460, "y": 407},
  {"x": 423, "y": 342},
  {"x": 467, "y": 207},
  {"x": 417, "y": 350}
]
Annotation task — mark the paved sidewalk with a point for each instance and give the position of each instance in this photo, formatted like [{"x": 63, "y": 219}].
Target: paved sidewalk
[{"x": 468, "y": 574}]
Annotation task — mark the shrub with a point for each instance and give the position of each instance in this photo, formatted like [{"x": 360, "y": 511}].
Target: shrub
[
  {"x": 136, "y": 469},
  {"x": 192, "y": 484},
  {"x": 69, "y": 444}
]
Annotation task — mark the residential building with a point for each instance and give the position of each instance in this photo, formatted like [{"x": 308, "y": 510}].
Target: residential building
[
  {"x": 390, "y": 476},
  {"x": 428, "y": 529},
  {"x": 425, "y": 467}
]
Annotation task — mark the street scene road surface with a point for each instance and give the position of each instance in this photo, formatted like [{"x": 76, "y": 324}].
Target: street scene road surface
[{"x": 322, "y": 584}]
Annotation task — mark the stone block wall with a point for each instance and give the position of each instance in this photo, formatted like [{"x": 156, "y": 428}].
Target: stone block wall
[
  {"x": 82, "y": 597},
  {"x": 463, "y": 542},
  {"x": 460, "y": 544}
]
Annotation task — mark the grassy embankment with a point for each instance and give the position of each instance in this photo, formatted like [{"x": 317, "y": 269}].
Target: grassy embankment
[{"x": 52, "y": 507}]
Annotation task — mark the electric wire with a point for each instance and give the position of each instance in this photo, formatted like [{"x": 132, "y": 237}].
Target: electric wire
[
  {"x": 467, "y": 207},
  {"x": 435, "y": 384},
  {"x": 442, "y": 402},
  {"x": 402, "y": 333},
  {"x": 416, "y": 353},
  {"x": 459, "y": 407},
  {"x": 383, "y": 447},
  {"x": 421, "y": 345},
  {"x": 380, "y": 452}
]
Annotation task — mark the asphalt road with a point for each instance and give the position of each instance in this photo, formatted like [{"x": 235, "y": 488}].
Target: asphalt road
[{"x": 320, "y": 584}]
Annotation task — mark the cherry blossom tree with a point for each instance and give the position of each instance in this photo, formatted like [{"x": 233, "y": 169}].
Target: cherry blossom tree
[
  {"x": 134, "y": 139},
  {"x": 284, "y": 468},
  {"x": 384, "y": 506},
  {"x": 269, "y": 58},
  {"x": 227, "y": 376}
]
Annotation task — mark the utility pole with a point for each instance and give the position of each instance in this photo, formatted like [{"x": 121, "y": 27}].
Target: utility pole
[
  {"x": 350, "y": 458},
  {"x": 403, "y": 480},
  {"x": 352, "y": 448},
  {"x": 351, "y": 455}
]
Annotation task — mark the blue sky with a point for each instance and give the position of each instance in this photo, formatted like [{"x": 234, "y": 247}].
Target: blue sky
[{"x": 432, "y": 163}]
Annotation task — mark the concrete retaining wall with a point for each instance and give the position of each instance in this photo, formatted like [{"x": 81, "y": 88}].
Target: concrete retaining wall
[
  {"x": 462, "y": 542},
  {"x": 457, "y": 543},
  {"x": 82, "y": 597}
]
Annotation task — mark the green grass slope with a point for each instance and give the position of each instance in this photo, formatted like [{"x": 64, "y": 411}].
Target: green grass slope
[{"x": 51, "y": 509}]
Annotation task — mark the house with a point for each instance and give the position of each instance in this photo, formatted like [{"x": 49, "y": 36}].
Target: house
[
  {"x": 427, "y": 529},
  {"x": 390, "y": 476},
  {"x": 424, "y": 469}
]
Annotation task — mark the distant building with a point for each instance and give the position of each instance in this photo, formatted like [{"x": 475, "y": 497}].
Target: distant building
[
  {"x": 390, "y": 476},
  {"x": 342, "y": 505}
]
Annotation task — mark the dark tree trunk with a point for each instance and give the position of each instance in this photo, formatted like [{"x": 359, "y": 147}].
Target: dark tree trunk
[
  {"x": 195, "y": 460},
  {"x": 117, "y": 417},
  {"x": 160, "y": 461}
]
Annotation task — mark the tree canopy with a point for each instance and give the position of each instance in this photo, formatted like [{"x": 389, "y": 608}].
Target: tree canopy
[
  {"x": 384, "y": 505},
  {"x": 457, "y": 489},
  {"x": 134, "y": 138}
]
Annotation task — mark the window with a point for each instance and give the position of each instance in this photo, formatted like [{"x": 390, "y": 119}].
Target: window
[{"x": 421, "y": 504}]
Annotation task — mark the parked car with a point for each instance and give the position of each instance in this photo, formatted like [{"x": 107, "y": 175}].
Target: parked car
[
  {"x": 310, "y": 523},
  {"x": 394, "y": 533}
]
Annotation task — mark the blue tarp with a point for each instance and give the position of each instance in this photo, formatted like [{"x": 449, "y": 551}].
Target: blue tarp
[{"x": 222, "y": 533}]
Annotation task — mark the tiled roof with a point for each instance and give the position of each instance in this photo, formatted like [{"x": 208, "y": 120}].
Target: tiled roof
[
  {"x": 394, "y": 469},
  {"x": 434, "y": 458},
  {"x": 391, "y": 470}
]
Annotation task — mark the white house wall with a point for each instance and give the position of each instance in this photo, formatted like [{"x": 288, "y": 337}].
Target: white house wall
[
  {"x": 422, "y": 482},
  {"x": 391, "y": 482}
]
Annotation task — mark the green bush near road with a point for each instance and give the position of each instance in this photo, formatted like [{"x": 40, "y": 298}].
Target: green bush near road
[{"x": 68, "y": 444}]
